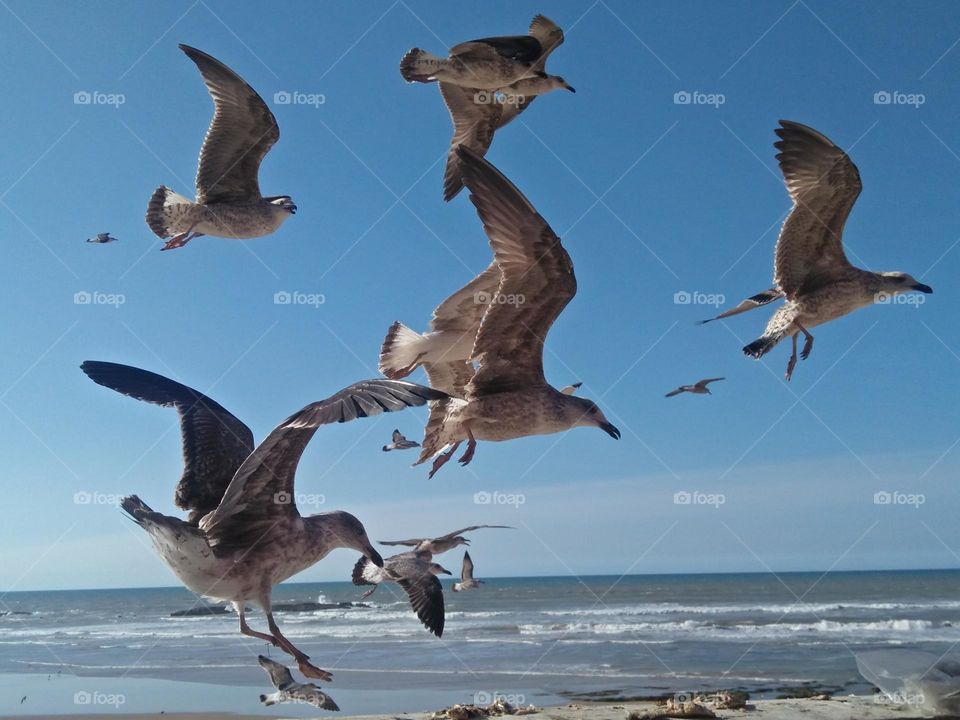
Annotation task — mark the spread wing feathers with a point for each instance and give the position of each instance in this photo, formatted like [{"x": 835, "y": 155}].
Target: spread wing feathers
[
  {"x": 475, "y": 115},
  {"x": 707, "y": 381},
  {"x": 824, "y": 184},
  {"x": 449, "y": 536},
  {"x": 426, "y": 598},
  {"x": 397, "y": 436},
  {"x": 215, "y": 443},
  {"x": 673, "y": 393},
  {"x": 261, "y": 493},
  {"x": 465, "y": 308},
  {"x": 466, "y": 572},
  {"x": 521, "y": 48},
  {"x": 241, "y": 133},
  {"x": 537, "y": 281},
  {"x": 436, "y": 435},
  {"x": 450, "y": 377},
  {"x": 279, "y": 674},
  {"x": 548, "y": 34},
  {"x": 754, "y": 301},
  {"x": 514, "y": 104}
]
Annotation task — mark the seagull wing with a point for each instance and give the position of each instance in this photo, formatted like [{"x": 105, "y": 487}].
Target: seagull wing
[
  {"x": 537, "y": 281},
  {"x": 261, "y": 494},
  {"x": 466, "y": 572},
  {"x": 522, "y": 48},
  {"x": 706, "y": 381},
  {"x": 279, "y": 674},
  {"x": 426, "y": 598},
  {"x": 240, "y": 135},
  {"x": 215, "y": 442},
  {"x": 754, "y": 301},
  {"x": 679, "y": 390},
  {"x": 451, "y": 535},
  {"x": 824, "y": 184},
  {"x": 548, "y": 34},
  {"x": 475, "y": 115}
]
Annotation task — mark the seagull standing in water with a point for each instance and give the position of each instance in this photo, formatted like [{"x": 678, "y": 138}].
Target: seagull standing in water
[
  {"x": 507, "y": 395},
  {"x": 699, "y": 388},
  {"x": 467, "y": 581},
  {"x": 245, "y": 534},
  {"x": 811, "y": 269},
  {"x": 289, "y": 690},
  {"x": 417, "y": 574},
  {"x": 229, "y": 203}
]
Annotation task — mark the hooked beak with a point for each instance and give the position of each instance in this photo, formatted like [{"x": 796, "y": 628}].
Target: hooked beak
[
  {"x": 373, "y": 556},
  {"x": 571, "y": 89},
  {"x": 926, "y": 289},
  {"x": 446, "y": 572},
  {"x": 293, "y": 209},
  {"x": 610, "y": 429}
]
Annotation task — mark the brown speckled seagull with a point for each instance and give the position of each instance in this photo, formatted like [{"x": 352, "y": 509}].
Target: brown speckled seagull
[
  {"x": 245, "y": 533},
  {"x": 289, "y": 690},
  {"x": 811, "y": 269},
  {"x": 506, "y": 396},
  {"x": 229, "y": 203}
]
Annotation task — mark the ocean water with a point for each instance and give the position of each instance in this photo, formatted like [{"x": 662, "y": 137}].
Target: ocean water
[{"x": 536, "y": 640}]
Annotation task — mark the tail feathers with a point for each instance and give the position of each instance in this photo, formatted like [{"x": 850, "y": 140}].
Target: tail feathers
[
  {"x": 400, "y": 351},
  {"x": 358, "y": 569},
  {"x": 159, "y": 210},
  {"x": 419, "y": 66},
  {"x": 760, "y": 347}
]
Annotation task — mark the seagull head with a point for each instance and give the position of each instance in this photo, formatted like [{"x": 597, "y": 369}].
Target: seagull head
[
  {"x": 587, "y": 413},
  {"x": 894, "y": 283},
  {"x": 348, "y": 532},
  {"x": 284, "y": 202},
  {"x": 438, "y": 569}
]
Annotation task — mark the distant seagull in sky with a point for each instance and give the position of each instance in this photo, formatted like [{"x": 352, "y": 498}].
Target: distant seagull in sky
[
  {"x": 467, "y": 581},
  {"x": 289, "y": 690},
  {"x": 811, "y": 268},
  {"x": 506, "y": 396},
  {"x": 478, "y": 112},
  {"x": 399, "y": 442},
  {"x": 417, "y": 575},
  {"x": 229, "y": 203},
  {"x": 699, "y": 388},
  {"x": 102, "y": 239},
  {"x": 439, "y": 545},
  {"x": 245, "y": 533}
]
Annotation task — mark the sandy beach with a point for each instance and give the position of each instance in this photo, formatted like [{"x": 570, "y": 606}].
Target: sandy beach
[{"x": 846, "y": 708}]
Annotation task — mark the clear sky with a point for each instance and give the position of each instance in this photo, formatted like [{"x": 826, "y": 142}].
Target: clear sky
[{"x": 652, "y": 198}]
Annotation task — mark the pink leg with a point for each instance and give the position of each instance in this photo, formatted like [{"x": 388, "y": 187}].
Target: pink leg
[
  {"x": 807, "y": 343},
  {"x": 442, "y": 460},
  {"x": 471, "y": 449},
  {"x": 247, "y": 630},
  {"x": 178, "y": 241},
  {"x": 369, "y": 592},
  {"x": 793, "y": 359},
  {"x": 303, "y": 660}
]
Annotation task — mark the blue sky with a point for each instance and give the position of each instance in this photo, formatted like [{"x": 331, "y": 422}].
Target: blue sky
[{"x": 652, "y": 198}]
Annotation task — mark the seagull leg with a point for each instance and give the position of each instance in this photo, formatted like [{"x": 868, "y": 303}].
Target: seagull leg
[
  {"x": 471, "y": 449},
  {"x": 178, "y": 241},
  {"x": 442, "y": 460},
  {"x": 793, "y": 359},
  {"x": 247, "y": 630},
  {"x": 369, "y": 592},
  {"x": 303, "y": 660},
  {"x": 807, "y": 343}
]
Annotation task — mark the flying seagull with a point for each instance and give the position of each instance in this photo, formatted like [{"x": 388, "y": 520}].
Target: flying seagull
[
  {"x": 507, "y": 396},
  {"x": 440, "y": 545},
  {"x": 399, "y": 442},
  {"x": 289, "y": 690},
  {"x": 571, "y": 389},
  {"x": 477, "y": 113},
  {"x": 245, "y": 534},
  {"x": 699, "y": 388},
  {"x": 467, "y": 581},
  {"x": 102, "y": 238},
  {"x": 493, "y": 62},
  {"x": 229, "y": 203},
  {"x": 417, "y": 575},
  {"x": 811, "y": 269}
]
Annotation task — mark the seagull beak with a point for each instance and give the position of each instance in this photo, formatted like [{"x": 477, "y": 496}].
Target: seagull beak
[
  {"x": 926, "y": 289},
  {"x": 373, "y": 556},
  {"x": 610, "y": 429},
  {"x": 446, "y": 572},
  {"x": 293, "y": 209},
  {"x": 571, "y": 89}
]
